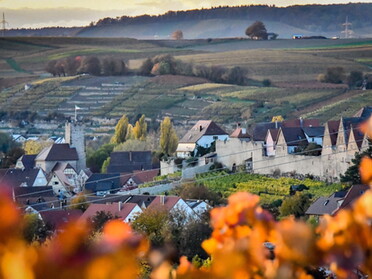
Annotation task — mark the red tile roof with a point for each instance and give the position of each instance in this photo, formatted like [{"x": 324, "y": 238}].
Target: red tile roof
[
  {"x": 169, "y": 201},
  {"x": 58, "y": 218},
  {"x": 238, "y": 133},
  {"x": 126, "y": 209}
]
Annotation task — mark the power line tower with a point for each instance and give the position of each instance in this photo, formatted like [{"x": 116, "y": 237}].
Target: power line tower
[
  {"x": 347, "y": 31},
  {"x": 4, "y": 23}
]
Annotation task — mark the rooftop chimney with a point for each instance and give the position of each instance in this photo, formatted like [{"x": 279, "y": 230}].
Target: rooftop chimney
[
  {"x": 120, "y": 205},
  {"x": 301, "y": 122},
  {"x": 162, "y": 199},
  {"x": 130, "y": 156},
  {"x": 244, "y": 131},
  {"x": 200, "y": 128},
  {"x": 276, "y": 124}
]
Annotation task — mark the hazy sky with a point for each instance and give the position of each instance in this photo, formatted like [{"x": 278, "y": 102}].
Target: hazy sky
[{"x": 39, "y": 13}]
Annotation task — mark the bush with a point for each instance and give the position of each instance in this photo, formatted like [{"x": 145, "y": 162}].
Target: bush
[
  {"x": 335, "y": 75},
  {"x": 355, "y": 79},
  {"x": 266, "y": 83}
]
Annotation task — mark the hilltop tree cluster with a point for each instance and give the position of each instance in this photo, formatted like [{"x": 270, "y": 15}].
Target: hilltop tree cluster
[
  {"x": 257, "y": 31},
  {"x": 168, "y": 65},
  {"x": 106, "y": 66}
]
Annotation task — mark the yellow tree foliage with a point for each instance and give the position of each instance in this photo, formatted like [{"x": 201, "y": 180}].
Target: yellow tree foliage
[
  {"x": 120, "y": 130},
  {"x": 140, "y": 128},
  {"x": 277, "y": 118},
  {"x": 32, "y": 147},
  {"x": 79, "y": 202},
  {"x": 168, "y": 137},
  {"x": 130, "y": 134}
]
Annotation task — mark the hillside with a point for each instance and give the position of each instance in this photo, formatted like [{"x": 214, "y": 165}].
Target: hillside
[
  {"x": 192, "y": 29},
  {"x": 291, "y": 65},
  {"x": 232, "y": 21},
  {"x": 225, "y": 22}
]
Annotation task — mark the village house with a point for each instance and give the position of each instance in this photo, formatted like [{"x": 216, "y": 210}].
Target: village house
[
  {"x": 130, "y": 161},
  {"x": 63, "y": 178},
  {"x": 172, "y": 204},
  {"x": 202, "y": 134},
  {"x": 26, "y": 162},
  {"x": 335, "y": 202},
  {"x": 24, "y": 178},
  {"x": 50, "y": 156},
  {"x": 132, "y": 181},
  {"x": 56, "y": 219},
  {"x": 279, "y": 147},
  {"x": 103, "y": 184},
  {"x": 124, "y": 211}
]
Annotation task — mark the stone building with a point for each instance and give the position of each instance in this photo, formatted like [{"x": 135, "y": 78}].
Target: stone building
[{"x": 283, "y": 152}]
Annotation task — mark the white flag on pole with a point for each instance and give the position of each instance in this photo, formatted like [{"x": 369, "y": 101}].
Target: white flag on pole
[{"x": 76, "y": 107}]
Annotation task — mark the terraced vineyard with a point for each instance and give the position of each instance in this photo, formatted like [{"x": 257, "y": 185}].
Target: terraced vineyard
[{"x": 292, "y": 67}]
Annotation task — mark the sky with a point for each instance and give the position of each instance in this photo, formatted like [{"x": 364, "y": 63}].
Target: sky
[{"x": 41, "y": 13}]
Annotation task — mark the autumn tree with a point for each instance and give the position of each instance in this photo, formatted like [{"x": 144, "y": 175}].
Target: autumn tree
[
  {"x": 105, "y": 165},
  {"x": 192, "y": 236},
  {"x": 177, "y": 35},
  {"x": 34, "y": 147},
  {"x": 113, "y": 67},
  {"x": 257, "y": 31},
  {"x": 355, "y": 79},
  {"x": 120, "y": 130},
  {"x": 154, "y": 223},
  {"x": 140, "y": 128},
  {"x": 100, "y": 219},
  {"x": 34, "y": 229},
  {"x": 168, "y": 137},
  {"x": 333, "y": 75},
  {"x": 277, "y": 118},
  {"x": 191, "y": 190},
  {"x": 235, "y": 75},
  {"x": 146, "y": 67},
  {"x": 71, "y": 65},
  {"x": 90, "y": 65},
  {"x": 295, "y": 205},
  {"x": 130, "y": 134},
  {"x": 51, "y": 67},
  {"x": 79, "y": 202}
]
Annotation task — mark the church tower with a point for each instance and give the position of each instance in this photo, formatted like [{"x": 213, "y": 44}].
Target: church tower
[{"x": 74, "y": 135}]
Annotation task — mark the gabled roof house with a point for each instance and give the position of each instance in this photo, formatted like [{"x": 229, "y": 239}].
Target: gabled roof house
[{"x": 203, "y": 134}]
